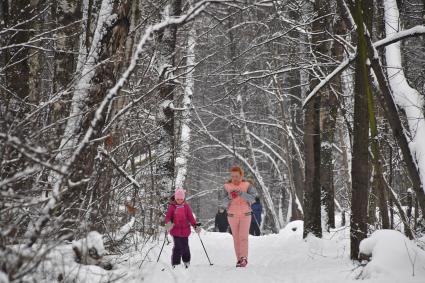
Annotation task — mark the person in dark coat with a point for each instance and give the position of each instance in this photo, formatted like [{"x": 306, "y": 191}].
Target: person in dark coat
[
  {"x": 257, "y": 209},
  {"x": 221, "y": 222}
]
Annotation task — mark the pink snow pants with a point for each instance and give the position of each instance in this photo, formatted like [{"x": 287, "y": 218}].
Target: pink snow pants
[{"x": 239, "y": 223}]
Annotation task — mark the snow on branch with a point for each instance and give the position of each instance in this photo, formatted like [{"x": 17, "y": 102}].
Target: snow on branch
[
  {"x": 120, "y": 169},
  {"x": 394, "y": 37},
  {"x": 30, "y": 152},
  {"x": 329, "y": 77},
  {"x": 397, "y": 36},
  {"x": 406, "y": 97},
  {"x": 20, "y": 175}
]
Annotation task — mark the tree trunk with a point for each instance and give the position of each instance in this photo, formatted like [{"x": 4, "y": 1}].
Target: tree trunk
[
  {"x": 185, "y": 132},
  {"x": 391, "y": 173},
  {"x": 360, "y": 170},
  {"x": 312, "y": 204},
  {"x": 329, "y": 115},
  {"x": 66, "y": 15},
  {"x": 17, "y": 67},
  {"x": 378, "y": 194},
  {"x": 110, "y": 46},
  {"x": 378, "y": 189},
  {"x": 312, "y": 146},
  {"x": 329, "y": 122},
  {"x": 296, "y": 124},
  {"x": 166, "y": 97}
]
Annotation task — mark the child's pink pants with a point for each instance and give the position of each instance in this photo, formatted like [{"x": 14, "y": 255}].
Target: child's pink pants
[{"x": 240, "y": 223}]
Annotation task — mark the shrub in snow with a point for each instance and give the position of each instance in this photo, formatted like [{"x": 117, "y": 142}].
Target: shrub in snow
[
  {"x": 392, "y": 253},
  {"x": 90, "y": 250}
]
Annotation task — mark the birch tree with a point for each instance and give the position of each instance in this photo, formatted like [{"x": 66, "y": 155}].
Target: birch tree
[
  {"x": 166, "y": 96},
  {"x": 183, "y": 152}
]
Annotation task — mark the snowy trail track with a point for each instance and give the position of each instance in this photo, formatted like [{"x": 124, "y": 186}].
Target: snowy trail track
[
  {"x": 271, "y": 259},
  {"x": 282, "y": 257}
]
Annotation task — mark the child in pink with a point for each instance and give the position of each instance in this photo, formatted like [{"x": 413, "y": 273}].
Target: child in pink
[
  {"x": 178, "y": 220},
  {"x": 239, "y": 197}
]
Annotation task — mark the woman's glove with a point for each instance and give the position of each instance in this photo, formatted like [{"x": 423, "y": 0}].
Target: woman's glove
[
  {"x": 168, "y": 226},
  {"x": 234, "y": 194}
]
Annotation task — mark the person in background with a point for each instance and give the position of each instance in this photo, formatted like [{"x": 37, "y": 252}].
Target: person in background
[
  {"x": 221, "y": 222},
  {"x": 257, "y": 209}
]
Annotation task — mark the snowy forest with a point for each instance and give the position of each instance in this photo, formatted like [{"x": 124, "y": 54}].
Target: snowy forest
[{"x": 108, "y": 106}]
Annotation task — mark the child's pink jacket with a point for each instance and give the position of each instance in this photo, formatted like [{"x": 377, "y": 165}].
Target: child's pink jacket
[{"x": 182, "y": 217}]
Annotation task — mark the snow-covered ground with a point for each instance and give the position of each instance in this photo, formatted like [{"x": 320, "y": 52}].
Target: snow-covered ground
[{"x": 283, "y": 257}]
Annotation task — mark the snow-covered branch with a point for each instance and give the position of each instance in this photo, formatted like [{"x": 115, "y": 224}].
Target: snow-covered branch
[
  {"x": 390, "y": 39},
  {"x": 395, "y": 35},
  {"x": 404, "y": 95},
  {"x": 329, "y": 77}
]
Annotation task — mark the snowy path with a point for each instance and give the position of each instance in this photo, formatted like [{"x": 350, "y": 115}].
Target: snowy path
[
  {"x": 283, "y": 257},
  {"x": 271, "y": 259}
]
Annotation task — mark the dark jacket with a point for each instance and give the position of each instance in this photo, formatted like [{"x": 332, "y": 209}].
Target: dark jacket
[
  {"x": 257, "y": 209},
  {"x": 221, "y": 223}
]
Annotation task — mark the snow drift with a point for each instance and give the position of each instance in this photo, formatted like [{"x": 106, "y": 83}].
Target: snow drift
[{"x": 392, "y": 255}]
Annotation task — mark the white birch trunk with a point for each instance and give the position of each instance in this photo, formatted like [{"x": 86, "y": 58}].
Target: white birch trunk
[{"x": 185, "y": 136}]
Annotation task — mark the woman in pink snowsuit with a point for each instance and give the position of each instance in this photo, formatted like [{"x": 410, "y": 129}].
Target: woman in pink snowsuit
[
  {"x": 178, "y": 220},
  {"x": 239, "y": 195}
]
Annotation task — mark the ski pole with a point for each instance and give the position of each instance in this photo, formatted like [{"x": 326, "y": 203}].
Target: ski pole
[
  {"x": 205, "y": 249},
  {"x": 199, "y": 236},
  {"x": 163, "y": 244}
]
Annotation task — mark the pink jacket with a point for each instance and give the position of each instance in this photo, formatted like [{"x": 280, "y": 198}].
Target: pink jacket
[
  {"x": 242, "y": 203},
  {"x": 182, "y": 217}
]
